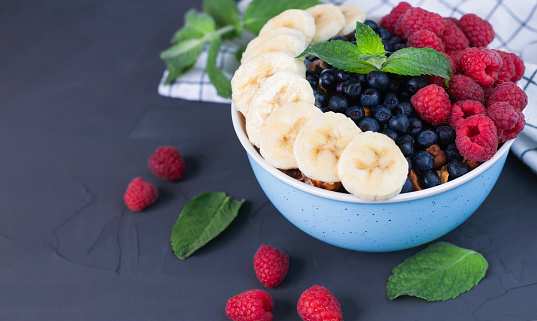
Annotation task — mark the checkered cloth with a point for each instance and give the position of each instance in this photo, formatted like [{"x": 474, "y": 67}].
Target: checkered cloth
[{"x": 514, "y": 21}]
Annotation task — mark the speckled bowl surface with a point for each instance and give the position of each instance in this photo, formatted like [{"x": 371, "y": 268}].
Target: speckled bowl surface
[{"x": 405, "y": 221}]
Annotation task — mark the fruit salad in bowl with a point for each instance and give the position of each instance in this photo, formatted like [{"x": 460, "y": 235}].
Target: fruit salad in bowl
[{"x": 376, "y": 136}]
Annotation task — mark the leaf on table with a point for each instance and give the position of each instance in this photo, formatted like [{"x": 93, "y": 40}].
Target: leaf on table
[
  {"x": 225, "y": 13},
  {"x": 197, "y": 24},
  {"x": 217, "y": 77},
  {"x": 418, "y": 61},
  {"x": 440, "y": 272},
  {"x": 260, "y": 11},
  {"x": 367, "y": 41},
  {"x": 201, "y": 220}
]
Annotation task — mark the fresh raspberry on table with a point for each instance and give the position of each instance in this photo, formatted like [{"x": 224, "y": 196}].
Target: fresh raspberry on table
[
  {"x": 417, "y": 19},
  {"x": 478, "y": 31},
  {"x": 252, "y": 305},
  {"x": 510, "y": 93},
  {"x": 425, "y": 38},
  {"x": 389, "y": 20},
  {"x": 512, "y": 69},
  {"x": 319, "y": 304},
  {"x": 432, "y": 104},
  {"x": 463, "y": 109},
  {"x": 482, "y": 65},
  {"x": 452, "y": 37},
  {"x": 509, "y": 122},
  {"x": 270, "y": 265},
  {"x": 462, "y": 87},
  {"x": 167, "y": 163},
  {"x": 477, "y": 138},
  {"x": 140, "y": 194}
]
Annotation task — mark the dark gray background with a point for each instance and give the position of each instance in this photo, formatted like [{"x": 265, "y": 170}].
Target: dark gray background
[{"x": 79, "y": 117}]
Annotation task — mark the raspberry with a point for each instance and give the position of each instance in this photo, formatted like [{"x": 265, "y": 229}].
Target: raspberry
[
  {"x": 519, "y": 68},
  {"x": 432, "y": 104},
  {"x": 425, "y": 38},
  {"x": 477, "y": 138},
  {"x": 389, "y": 20},
  {"x": 270, "y": 265},
  {"x": 478, "y": 31},
  {"x": 167, "y": 163},
  {"x": 513, "y": 132},
  {"x": 417, "y": 19},
  {"x": 512, "y": 69},
  {"x": 462, "y": 87},
  {"x": 461, "y": 110},
  {"x": 452, "y": 19},
  {"x": 506, "y": 119},
  {"x": 510, "y": 93},
  {"x": 398, "y": 28},
  {"x": 252, "y": 305},
  {"x": 456, "y": 56},
  {"x": 319, "y": 304},
  {"x": 140, "y": 194},
  {"x": 482, "y": 65},
  {"x": 453, "y": 38}
]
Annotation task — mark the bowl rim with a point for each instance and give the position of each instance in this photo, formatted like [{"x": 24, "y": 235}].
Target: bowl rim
[{"x": 239, "y": 127}]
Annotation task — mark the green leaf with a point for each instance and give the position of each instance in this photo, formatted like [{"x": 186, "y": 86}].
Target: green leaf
[
  {"x": 418, "y": 61},
  {"x": 368, "y": 42},
  {"x": 218, "y": 79},
  {"x": 224, "y": 12},
  {"x": 201, "y": 220},
  {"x": 440, "y": 272},
  {"x": 197, "y": 24},
  {"x": 182, "y": 56},
  {"x": 340, "y": 54},
  {"x": 260, "y": 11}
]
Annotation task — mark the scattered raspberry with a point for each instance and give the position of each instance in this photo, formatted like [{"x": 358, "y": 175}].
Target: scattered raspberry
[
  {"x": 452, "y": 37},
  {"x": 461, "y": 110},
  {"x": 462, "y": 87},
  {"x": 417, "y": 19},
  {"x": 512, "y": 69},
  {"x": 432, "y": 104},
  {"x": 510, "y": 93},
  {"x": 140, "y": 194},
  {"x": 482, "y": 65},
  {"x": 425, "y": 38},
  {"x": 252, "y": 305},
  {"x": 477, "y": 138},
  {"x": 478, "y": 31},
  {"x": 319, "y": 304},
  {"x": 167, "y": 163},
  {"x": 389, "y": 20},
  {"x": 270, "y": 265},
  {"x": 456, "y": 56}
]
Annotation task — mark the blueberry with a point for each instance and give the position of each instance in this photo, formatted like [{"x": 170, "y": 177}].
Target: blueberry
[
  {"x": 356, "y": 113},
  {"x": 390, "y": 100},
  {"x": 321, "y": 100},
  {"x": 390, "y": 133},
  {"x": 398, "y": 46},
  {"x": 313, "y": 80},
  {"x": 341, "y": 75},
  {"x": 395, "y": 85},
  {"x": 409, "y": 161},
  {"x": 352, "y": 88},
  {"x": 452, "y": 152},
  {"x": 369, "y": 124},
  {"x": 381, "y": 114},
  {"x": 352, "y": 35},
  {"x": 429, "y": 179},
  {"x": 456, "y": 168},
  {"x": 327, "y": 79},
  {"x": 446, "y": 135},
  {"x": 388, "y": 46},
  {"x": 408, "y": 186},
  {"x": 407, "y": 148},
  {"x": 405, "y": 139},
  {"x": 311, "y": 72},
  {"x": 371, "y": 24},
  {"x": 309, "y": 60},
  {"x": 370, "y": 97},
  {"x": 338, "y": 103},
  {"x": 422, "y": 161},
  {"x": 415, "y": 126},
  {"x": 378, "y": 80},
  {"x": 400, "y": 123},
  {"x": 384, "y": 34},
  {"x": 416, "y": 83},
  {"x": 427, "y": 138},
  {"x": 404, "y": 108},
  {"x": 339, "y": 38},
  {"x": 396, "y": 40},
  {"x": 339, "y": 87},
  {"x": 361, "y": 77}
]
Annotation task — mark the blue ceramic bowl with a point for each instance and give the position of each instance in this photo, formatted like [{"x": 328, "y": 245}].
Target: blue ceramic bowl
[{"x": 405, "y": 221}]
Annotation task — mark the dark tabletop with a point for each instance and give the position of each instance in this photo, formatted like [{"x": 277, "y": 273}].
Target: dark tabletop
[{"x": 79, "y": 117}]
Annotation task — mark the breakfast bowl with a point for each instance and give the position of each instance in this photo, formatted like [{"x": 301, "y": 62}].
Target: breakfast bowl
[{"x": 343, "y": 220}]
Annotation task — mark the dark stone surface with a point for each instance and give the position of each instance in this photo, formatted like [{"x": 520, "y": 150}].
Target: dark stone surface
[{"x": 79, "y": 117}]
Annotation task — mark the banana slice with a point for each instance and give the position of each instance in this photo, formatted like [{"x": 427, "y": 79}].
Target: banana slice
[
  {"x": 253, "y": 72},
  {"x": 352, "y": 13},
  {"x": 292, "y": 18},
  {"x": 273, "y": 33},
  {"x": 320, "y": 143},
  {"x": 329, "y": 21},
  {"x": 282, "y": 88},
  {"x": 372, "y": 167},
  {"x": 281, "y": 42},
  {"x": 278, "y": 133}
]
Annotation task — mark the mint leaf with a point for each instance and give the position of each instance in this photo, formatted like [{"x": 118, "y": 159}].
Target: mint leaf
[
  {"x": 440, "y": 272},
  {"x": 201, "y": 220},
  {"x": 418, "y": 61},
  {"x": 218, "y": 79},
  {"x": 197, "y": 24},
  {"x": 182, "y": 56},
  {"x": 260, "y": 11},
  {"x": 340, "y": 54},
  {"x": 224, "y": 12},
  {"x": 368, "y": 42}
]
